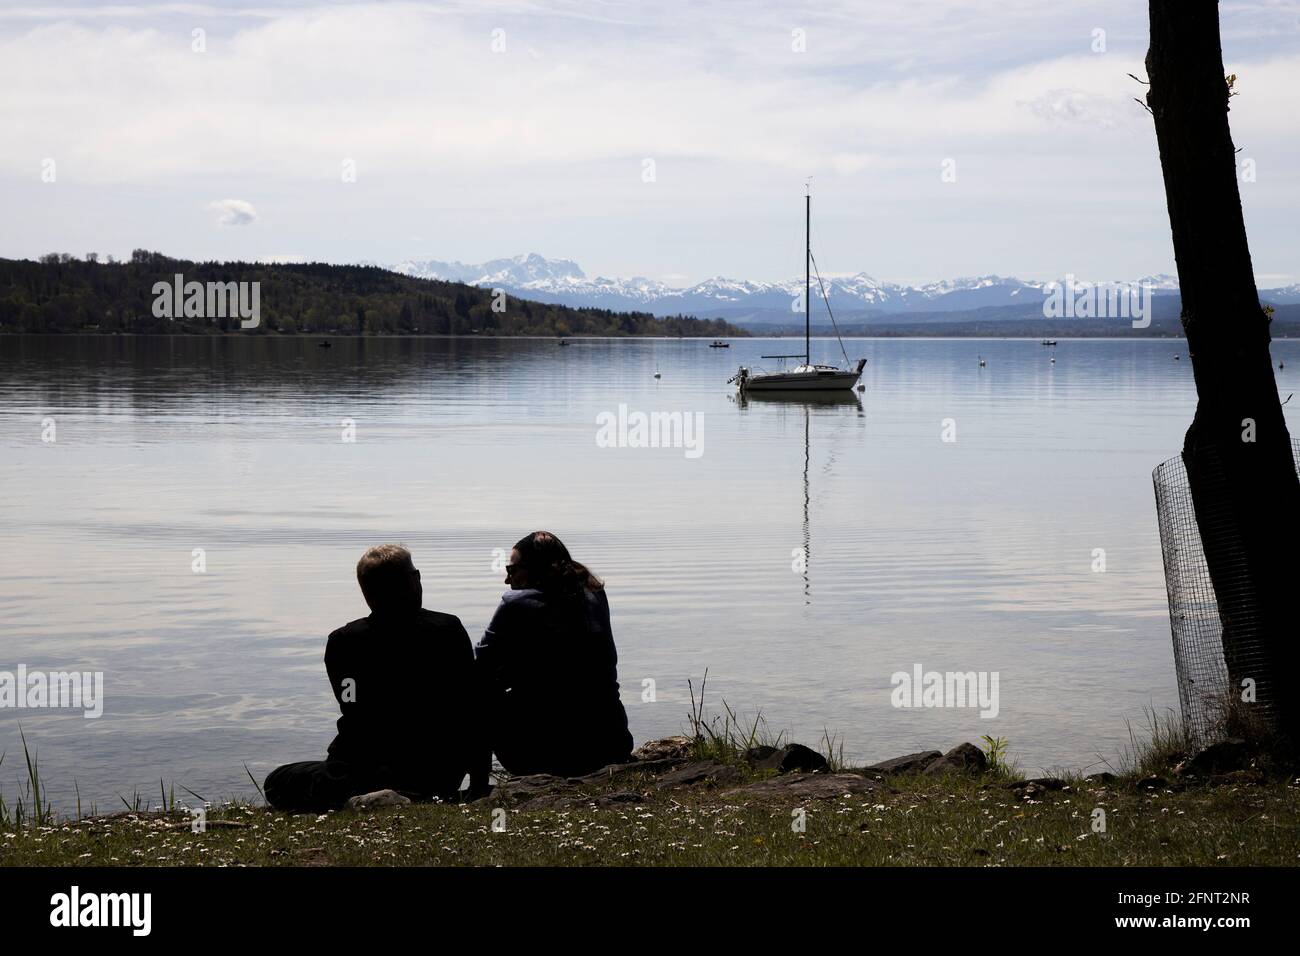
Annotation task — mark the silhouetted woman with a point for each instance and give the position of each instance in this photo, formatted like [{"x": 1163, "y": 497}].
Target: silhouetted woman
[{"x": 549, "y": 667}]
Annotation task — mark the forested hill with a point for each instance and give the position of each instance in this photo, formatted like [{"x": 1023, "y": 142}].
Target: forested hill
[{"x": 64, "y": 294}]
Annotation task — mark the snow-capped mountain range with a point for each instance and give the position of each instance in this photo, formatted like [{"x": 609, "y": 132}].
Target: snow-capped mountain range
[{"x": 562, "y": 281}]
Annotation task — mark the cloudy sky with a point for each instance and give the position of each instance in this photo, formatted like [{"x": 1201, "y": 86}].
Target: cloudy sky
[{"x": 670, "y": 140}]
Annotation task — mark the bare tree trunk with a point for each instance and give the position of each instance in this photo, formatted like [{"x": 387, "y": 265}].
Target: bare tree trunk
[{"x": 1245, "y": 492}]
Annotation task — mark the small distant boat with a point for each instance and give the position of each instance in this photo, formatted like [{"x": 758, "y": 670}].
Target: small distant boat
[
  {"x": 1048, "y": 342},
  {"x": 564, "y": 342},
  {"x": 719, "y": 345},
  {"x": 807, "y": 376},
  {"x": 325, "y": 344},
  {"x": 982, "y": 362}
]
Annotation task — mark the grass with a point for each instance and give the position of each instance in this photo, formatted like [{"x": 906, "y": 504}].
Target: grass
[
  {"x": 1000, "y": 765},
  {"x": 914, "y": 819},
  {"x": 1165, "y": 743},
  {"x": 725, "y": 737},
  {"x": 963, "y": 821},
  {"x": 30, "y": 806}
]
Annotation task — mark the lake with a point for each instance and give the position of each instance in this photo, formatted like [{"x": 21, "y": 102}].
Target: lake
[{"x": 801, "y": 553}]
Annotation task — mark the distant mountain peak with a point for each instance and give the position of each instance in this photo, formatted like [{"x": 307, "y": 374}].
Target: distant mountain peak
[
  {"x": 515, "y": 271},
  {"x": 534, "y": 276}
]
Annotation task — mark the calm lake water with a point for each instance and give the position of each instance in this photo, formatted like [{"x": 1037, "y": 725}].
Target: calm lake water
[{"x": 970, "y": 555}]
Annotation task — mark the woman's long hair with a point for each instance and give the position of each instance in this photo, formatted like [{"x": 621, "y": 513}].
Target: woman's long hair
[{"x": 550, "y": 567}]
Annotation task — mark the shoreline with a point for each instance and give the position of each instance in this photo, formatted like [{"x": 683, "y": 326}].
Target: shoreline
[
  {"x": 707, "y": 802},
  {"x": 750, "y": 334}
]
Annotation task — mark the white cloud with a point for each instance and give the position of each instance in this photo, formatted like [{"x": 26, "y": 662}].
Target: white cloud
[
  {"x": 1076, "y": 106},
  {"x": 233, "y": 212},
  {"x": 404, "y": 91}
]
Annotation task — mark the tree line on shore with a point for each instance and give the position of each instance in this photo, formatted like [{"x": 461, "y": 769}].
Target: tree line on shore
[{"x": 61, "y": 293}]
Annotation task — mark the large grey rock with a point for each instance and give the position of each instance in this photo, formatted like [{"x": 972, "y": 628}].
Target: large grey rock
[
  {"x": 908, "y": 763},
  {"x": 607, "y": 774},
  {"x": 377, "y": 798},
  {"x": 1222, "y": 757},
  {"x": 804, "y": 786},
  {"x": 1231, "y": 778},
  {"x": 533, "y": 783},
  {"x": 1041, "y": 783},
  {"x": 697, "y": 772},
  {"x": 791, "y": 758},
  {"x": 964, "y": 758},
  {"x": 522, "y": 789},
  {"x": 673, "y": 748}
]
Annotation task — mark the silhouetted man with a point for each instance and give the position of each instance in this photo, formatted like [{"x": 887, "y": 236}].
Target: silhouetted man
[{"x": 404, "y": 679}]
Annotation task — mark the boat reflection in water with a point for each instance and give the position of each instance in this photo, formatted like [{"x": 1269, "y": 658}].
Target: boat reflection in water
[{"x": 796, "y": 402}]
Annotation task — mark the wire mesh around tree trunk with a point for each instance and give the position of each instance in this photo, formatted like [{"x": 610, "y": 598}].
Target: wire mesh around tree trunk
[{"x": 1193, "y": 609}]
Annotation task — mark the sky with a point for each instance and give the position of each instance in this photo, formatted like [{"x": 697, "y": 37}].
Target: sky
[{"x": 672, "y": 140}]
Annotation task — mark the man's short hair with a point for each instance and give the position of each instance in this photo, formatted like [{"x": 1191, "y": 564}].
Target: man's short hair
[{"x": 384, "y": 573}]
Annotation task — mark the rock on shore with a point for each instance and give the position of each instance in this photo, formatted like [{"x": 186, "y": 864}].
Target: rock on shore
[{"x": 793, "y": 772}]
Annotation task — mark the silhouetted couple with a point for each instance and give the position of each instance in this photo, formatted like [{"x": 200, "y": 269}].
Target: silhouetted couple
[{"x": 422, "y": 708}]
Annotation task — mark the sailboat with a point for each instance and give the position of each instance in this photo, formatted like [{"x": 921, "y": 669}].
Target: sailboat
[{"x": 806, "y": 377}]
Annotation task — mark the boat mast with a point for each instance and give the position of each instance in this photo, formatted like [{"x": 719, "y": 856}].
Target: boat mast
[{"x": 807, "y": 278}]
